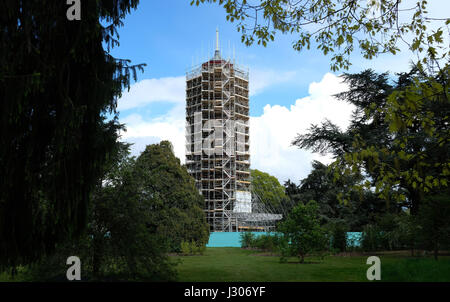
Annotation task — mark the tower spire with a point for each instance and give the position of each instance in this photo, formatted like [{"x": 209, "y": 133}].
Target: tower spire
[
  {"x": 217, "y": 52},
  {"x": 217, "y": 38}
]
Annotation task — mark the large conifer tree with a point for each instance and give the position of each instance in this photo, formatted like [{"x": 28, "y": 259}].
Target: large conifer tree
[{"x": 58, "y": 95}]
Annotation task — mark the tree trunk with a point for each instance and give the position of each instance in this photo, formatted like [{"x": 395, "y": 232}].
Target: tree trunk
[
  {"x": 13, "y": 272},
  {"x": 416, "y": 197}
]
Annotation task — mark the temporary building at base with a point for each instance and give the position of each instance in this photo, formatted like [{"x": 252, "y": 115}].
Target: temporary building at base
[{"x": 233, "y": 239}]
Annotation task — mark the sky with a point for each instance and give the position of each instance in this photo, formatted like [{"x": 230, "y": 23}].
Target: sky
[{"x": 289, "y": 90}]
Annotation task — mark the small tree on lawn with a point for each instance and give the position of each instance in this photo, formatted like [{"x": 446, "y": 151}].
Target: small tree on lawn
[{"x": 302, "y": 232}]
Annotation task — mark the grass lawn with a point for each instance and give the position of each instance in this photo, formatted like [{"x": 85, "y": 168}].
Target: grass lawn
[
  {"x": 236, "y": 264},
  {"x": 228, "y": 264}
]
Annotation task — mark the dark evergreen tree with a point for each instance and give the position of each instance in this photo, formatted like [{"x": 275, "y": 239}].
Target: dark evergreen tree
[
  {"x": 58, "y": 122},
  {"x": 360, "y": 207},
  {"x": 141, "y": 210},
  {"x": 398, "y": 135},
  {"x": 176, "y": 205}
]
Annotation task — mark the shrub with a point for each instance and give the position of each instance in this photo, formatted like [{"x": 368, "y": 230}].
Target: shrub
[
  {"x": 192, "y": 248},
  {"x": 185, "y": 247},
  {"x": 387, "y": 225},
  {"x": 265, "y": 242},
  {"x": 247, "y": 240},
  {"x": 339, "y": 236}
]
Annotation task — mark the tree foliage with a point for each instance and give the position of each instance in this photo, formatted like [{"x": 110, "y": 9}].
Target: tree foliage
[
  {"x": 268, "y": 190},
  {"x": 399, "y": 135},
  {"x": 124, "y": 242},
  {"x": 428, "y": 230},
  {"x": 433, "y": 218},
  {"x": 302, "y": 232},
  {"x": 339, "y": 202},
  {"x": 340, "y": 26},
  {"x": 142, "y": 209},
  {"x": 177, "y": 204},
  {"x": 57, "y": 85},
  {"x": 145, "y": 208},
  {"x": 119, "y": 242}
]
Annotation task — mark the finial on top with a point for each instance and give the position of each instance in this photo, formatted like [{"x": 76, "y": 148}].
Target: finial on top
[
  {"x": 217, "y": 38},
  {"x": 217, "y": 52}
]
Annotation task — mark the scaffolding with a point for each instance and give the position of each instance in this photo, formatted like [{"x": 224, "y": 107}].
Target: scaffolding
[
  {"x": 262, "y": 218},
  {"x": 218, "y": 143},
  {"x": 217, "y": 139}
]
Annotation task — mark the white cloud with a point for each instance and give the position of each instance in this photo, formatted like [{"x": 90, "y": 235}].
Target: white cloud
[
  {"x": 142, "y": 131},
  {"x": 170, "y": 126},
  {"x": 271, "y": 133},
  {"x": 170, "y": 89}
]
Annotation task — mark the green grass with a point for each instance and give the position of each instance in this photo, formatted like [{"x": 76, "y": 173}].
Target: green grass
[
  {"x": 417, "y": 269},
  {"x": 235, "y": 264}
]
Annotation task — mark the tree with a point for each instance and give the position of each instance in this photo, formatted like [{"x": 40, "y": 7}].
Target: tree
[
  {"x": 398, "y": 136},
  {"x": 435, "y": 223},
  {"x": 340, "y": 26},
  {"x": 417, "y": 113},
  {"x": 359, "y": 208},
  {"x": 338, "y": 232},
  {"x": 319, "y": 186},
  {"x": 57, "y": 87},
  {"x": 301, "y": 231},
  {"x": 177, "y": 204},
  {"x": 142, "y": 209},
  {"x": 122, "y": 227},
  {"x": 119, "y": 242},
  {"x": 268, "y": 190}
]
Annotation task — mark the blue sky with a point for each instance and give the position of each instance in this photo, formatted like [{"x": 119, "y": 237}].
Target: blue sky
[
  {"x": 168, "y": 35},
  {"x": 288, "y": 90}
]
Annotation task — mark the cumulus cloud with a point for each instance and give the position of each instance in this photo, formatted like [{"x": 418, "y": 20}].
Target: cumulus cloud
[
  {"x": 169, "y": 89},
  {"x": 271, "y": 133},
  {"x": 142, "y": 132}
]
